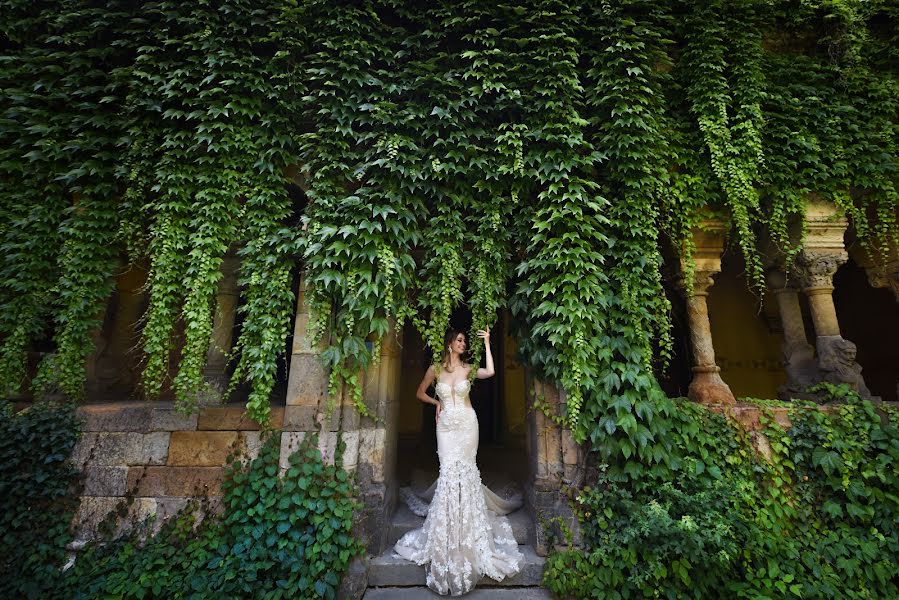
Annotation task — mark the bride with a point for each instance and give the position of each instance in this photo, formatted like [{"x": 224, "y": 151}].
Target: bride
[{"x": 465, "y": 535}]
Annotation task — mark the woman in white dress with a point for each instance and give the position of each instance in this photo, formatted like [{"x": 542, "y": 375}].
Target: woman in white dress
[{"x": 465, "y": 535}]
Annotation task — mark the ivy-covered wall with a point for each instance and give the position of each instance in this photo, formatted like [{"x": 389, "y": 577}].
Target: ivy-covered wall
[{"x": 536, "y": 155}]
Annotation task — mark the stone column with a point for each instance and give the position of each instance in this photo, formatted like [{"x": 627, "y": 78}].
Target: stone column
[
  {"x": 307, "y": 380},
  {"x": 798, "y": 354},
  {"x": 223, "y": 326},
  {"x": 555, "y": 460},
  {"x": 707, "y": 387},
  {"x": 377, "y": 443},
  {"x": 822, "y": 254}
]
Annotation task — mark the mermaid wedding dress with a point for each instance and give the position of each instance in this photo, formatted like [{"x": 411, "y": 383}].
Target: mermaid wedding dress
[{"x": 465, "y": 534}]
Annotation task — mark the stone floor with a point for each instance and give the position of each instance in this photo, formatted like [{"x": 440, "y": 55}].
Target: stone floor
[{"x": 420, "y": 593}]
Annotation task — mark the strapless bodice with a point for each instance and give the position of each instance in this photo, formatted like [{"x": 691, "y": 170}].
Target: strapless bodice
[{"x": 456, "y": 391}]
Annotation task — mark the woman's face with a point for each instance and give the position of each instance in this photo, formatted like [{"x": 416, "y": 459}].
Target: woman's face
[{"x": 459, "y": 343}]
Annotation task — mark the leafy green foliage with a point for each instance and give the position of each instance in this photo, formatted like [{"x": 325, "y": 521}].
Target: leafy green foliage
[
  {"x": 816, "y": 519},
  {"x": 38, "y": 496},
  {"x": 531, "y": 155},
  {"x": 277, "y": 537}
]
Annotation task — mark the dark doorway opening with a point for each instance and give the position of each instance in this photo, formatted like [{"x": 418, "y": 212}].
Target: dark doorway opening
[
  {"x": 869, "y": 317},
  {"x": 497, "y": 401}
]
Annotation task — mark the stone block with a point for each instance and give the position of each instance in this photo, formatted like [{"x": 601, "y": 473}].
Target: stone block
[
  {"x": 290, "y": 442},
  {"x": 104, "y": 480},
  {"x": 300, "y": 418},
  {"x": 91, "y": 512},
  {"x": 94, "y": 510},
  {"x": 166, "y": 418},
  {"x": 235, "y": 418},
  {"x": 761, "y": 444},
  {"x": 372, "y": 524},
  {"x": 330, "y": 422},
  {"x": 122, "y": 448},
  {"x": 355, "y": 580},
  {"x": 351, "y": 449},
  {"x": 168, "y": 507},
  {"x": 302, "y": 341},
  {"x": 349, "y": 417},
  {"x": 81, "y": 453},
  {"x": 372, "y": 451},
  {"x": 119, "y": 416},
  {"x": 327, "y": 445},
  {"x": 307, "y": 382},
  {"x": 117, "y": 448},
  {"x": 250, "y": 443},
  {"x": 569, "y": 448},
  {"x": 175, "y": 481},
  {"x": 201, "y": 448},
  {"x": 155, "y": 450}
]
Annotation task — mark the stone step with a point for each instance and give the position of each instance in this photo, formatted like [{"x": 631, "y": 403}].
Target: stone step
[
  {"x": 405, "y": 520},
  {"x": 389, "y": 570},
  {"x": 423, "y": 593}
]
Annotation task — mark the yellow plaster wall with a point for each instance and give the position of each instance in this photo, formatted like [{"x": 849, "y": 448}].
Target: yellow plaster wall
[{"x": 747, "y": 346}]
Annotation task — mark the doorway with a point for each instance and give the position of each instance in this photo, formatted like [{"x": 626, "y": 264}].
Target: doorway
[{"x": 499, "y": 403}]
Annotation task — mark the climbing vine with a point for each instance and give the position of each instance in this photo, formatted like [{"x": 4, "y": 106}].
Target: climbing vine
[
  {"x": 813, "y": 516},
  {"x": 534, "y": 155}
]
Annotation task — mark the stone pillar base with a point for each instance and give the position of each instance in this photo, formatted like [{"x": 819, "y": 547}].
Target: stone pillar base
[{"x": 707, "y": 387}]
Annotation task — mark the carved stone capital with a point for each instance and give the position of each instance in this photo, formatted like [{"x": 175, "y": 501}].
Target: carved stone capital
[
  {"x": 705, "y": 259},
  {"x": 885, "y": 277},
  {"x": 817, "y": 267},
  {"x": 702, "y": 281}
]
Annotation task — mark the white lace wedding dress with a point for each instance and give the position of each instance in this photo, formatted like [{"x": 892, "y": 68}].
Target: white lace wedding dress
[{"x": 465, "y": 535}]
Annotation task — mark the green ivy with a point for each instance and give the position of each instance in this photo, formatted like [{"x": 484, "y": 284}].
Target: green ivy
[
  {"x": 817, "y": 518},
  {"x": 532, "y": 155},
  {"x": 38, "y": 496},
  {"x": 287, "y": 536}
]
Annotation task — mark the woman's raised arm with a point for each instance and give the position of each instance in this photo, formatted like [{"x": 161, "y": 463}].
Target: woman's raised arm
[{"x": 488, "y": 371}]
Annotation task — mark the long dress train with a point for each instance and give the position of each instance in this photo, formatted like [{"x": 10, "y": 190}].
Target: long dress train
[{"x": 465, "y": 535}]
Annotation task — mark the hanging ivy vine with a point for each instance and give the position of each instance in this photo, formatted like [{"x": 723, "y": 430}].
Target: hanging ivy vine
[{"x": 531, "y": 155}]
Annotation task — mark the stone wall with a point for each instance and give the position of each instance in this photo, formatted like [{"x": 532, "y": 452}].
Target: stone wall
[{"x": 148, "y": 459}]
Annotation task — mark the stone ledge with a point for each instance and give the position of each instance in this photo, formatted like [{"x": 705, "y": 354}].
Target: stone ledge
[{"x": 117, "y": 416}]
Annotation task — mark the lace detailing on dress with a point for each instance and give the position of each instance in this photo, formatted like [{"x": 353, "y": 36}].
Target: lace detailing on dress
[
  {"x": 464, "y": 536},
  {"x": 415, "y": 504},
  {"x": 461, "y": 539}
]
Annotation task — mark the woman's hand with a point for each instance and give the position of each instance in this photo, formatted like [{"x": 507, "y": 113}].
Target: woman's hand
[
  {"x": 437, "y": 416},
  {"x": 484, "y": 334}
]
